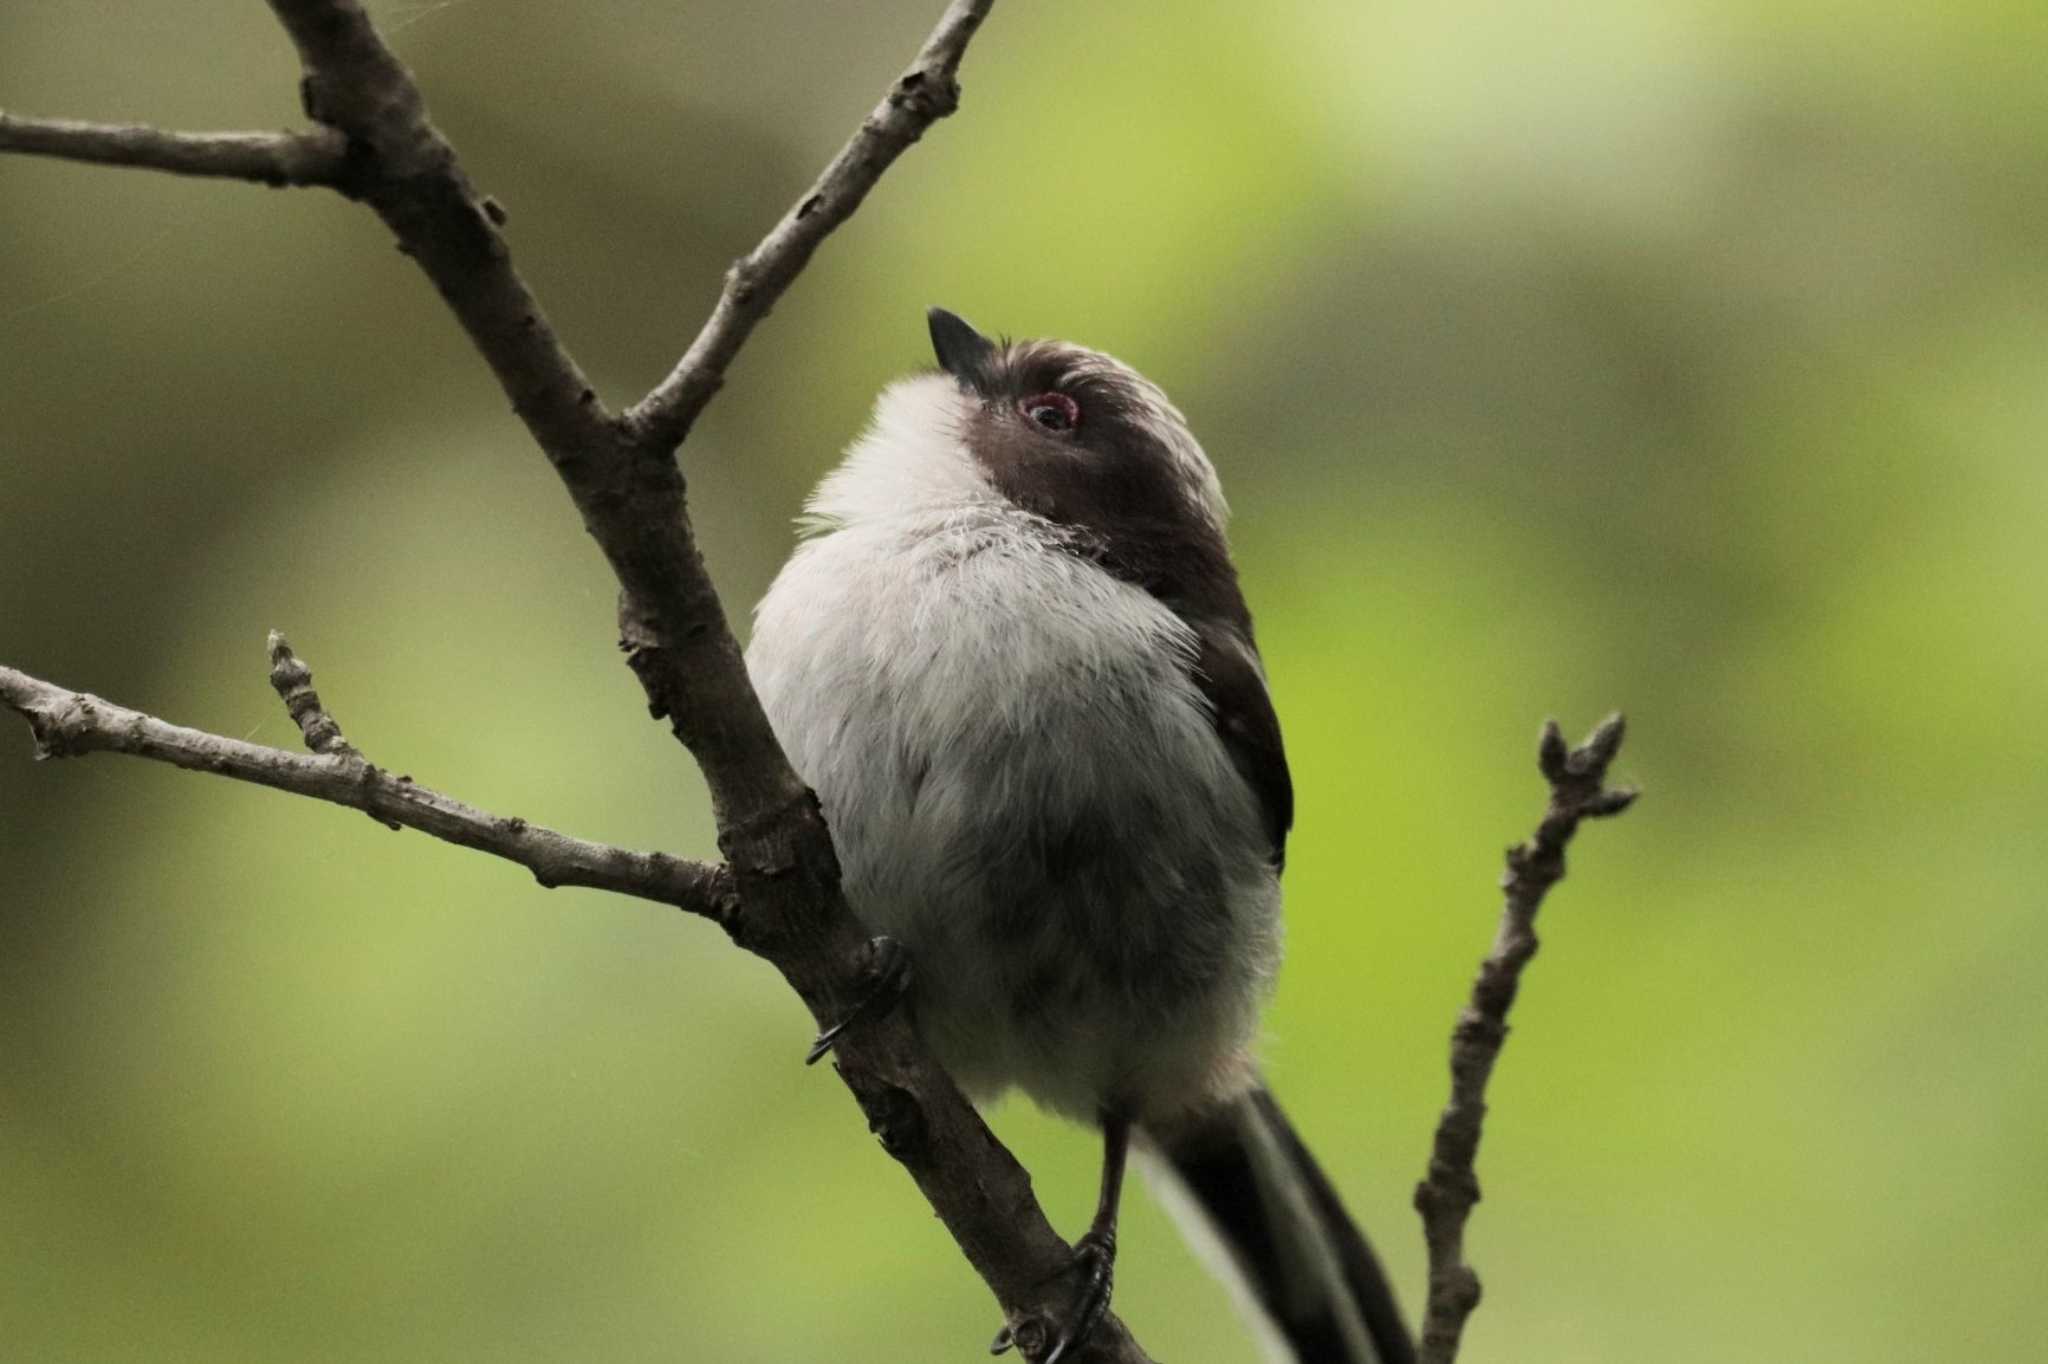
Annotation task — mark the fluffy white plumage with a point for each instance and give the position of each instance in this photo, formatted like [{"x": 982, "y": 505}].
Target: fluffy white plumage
[{"x": 985, "y": 717}]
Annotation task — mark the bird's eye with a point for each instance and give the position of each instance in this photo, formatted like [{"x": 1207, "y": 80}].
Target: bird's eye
[{"x": 1054, "y": 412}]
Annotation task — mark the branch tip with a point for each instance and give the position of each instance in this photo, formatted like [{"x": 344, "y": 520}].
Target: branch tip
[
  {"x": 1551, "y": 752},
  {"x": 1610, "y": 802},
  {"x": 1600, "y": 747}
]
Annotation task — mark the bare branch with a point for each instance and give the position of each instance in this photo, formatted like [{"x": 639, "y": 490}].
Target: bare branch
[
  {"x": 317, "y": 157},
  {"x": 925, "y": 93},
  {"x": 1445, "y": 1197},
  {"x": 68, "y": 723}
]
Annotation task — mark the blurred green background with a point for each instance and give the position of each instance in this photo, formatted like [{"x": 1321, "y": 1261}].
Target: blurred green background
[{"x": 1687, "y": 359}]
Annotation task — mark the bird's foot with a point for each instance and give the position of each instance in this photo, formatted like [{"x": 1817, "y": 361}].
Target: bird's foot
[
  {"x": 885, "y": 980},
  {"x": 1095, "y": 1263}
]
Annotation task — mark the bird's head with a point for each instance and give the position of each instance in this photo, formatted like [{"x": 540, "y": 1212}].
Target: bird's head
[{"x": 1061, "y": 431}]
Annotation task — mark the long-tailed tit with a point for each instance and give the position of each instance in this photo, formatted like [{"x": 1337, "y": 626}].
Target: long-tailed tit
[{"x": 1011, "y": 657}]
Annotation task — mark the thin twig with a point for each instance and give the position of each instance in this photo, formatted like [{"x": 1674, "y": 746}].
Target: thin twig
[
  {"x": 68, "y": 723},
  {"x": 1445, "y": 1197},
  {"x": 924, "y": 94},
  {"x": 316, "y": 157},
  {"x": 292, "y": 680}
]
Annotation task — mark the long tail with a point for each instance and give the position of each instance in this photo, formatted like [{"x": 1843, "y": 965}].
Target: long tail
[{"x": 1297, "y": 1251}]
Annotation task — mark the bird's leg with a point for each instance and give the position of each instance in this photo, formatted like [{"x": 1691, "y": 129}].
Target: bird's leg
[
  {"x": 885, "y": 980},
  {"x": 1094, "y": 1253}
]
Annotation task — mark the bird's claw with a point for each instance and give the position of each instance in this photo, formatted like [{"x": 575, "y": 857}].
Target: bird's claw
[
  {"x": 1095, "y": 1260},
  {"x": 887, "y": 979},
  {"x": 1095, "y": 1257}
]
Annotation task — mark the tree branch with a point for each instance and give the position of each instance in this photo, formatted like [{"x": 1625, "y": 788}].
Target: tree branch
[
  {"x": 317, "y": 157},
  {"x": 925, "y": 93},
  {"x": 623, "y": 477},
  {"x": 1445, "y": 1197},
  {"x": 68, "y": 724}
]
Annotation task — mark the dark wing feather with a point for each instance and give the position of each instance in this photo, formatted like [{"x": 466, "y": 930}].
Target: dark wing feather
[{"x": 1227, "y": 671}]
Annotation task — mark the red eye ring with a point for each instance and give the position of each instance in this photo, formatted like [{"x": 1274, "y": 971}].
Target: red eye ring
[{"x": 1053, "y": 412}]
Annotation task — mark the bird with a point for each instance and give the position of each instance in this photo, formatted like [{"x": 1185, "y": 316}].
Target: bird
[{"x": 1011, "y": 656}]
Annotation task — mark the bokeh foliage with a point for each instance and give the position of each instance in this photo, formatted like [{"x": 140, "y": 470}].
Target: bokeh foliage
[{"x": 1683, "y": 357}]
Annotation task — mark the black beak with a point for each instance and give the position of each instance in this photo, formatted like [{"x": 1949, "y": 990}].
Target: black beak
[{"x": 963, "y": 352}]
